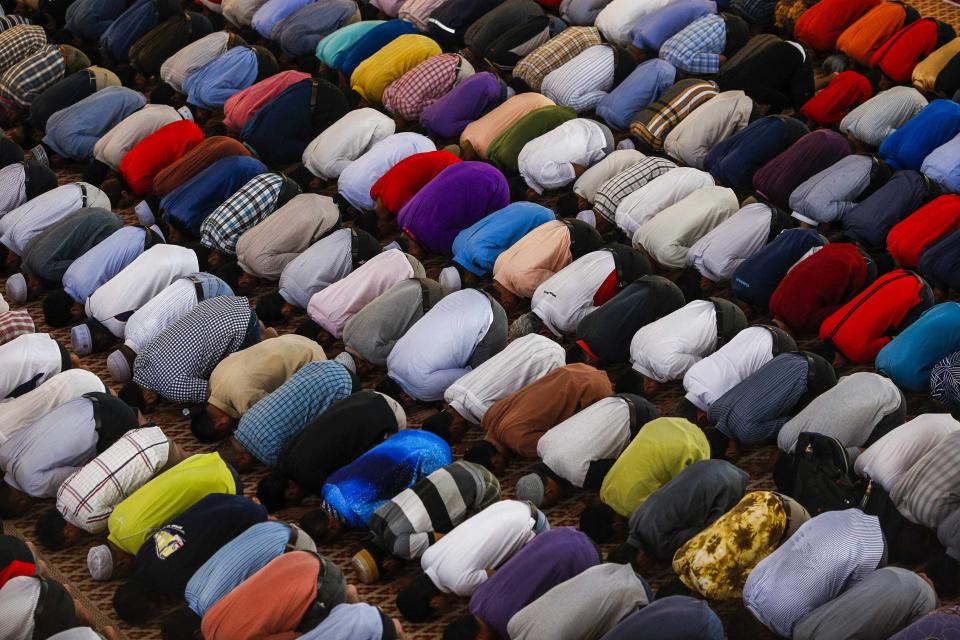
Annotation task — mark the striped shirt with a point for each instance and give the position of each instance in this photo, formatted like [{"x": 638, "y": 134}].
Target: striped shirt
[
  {"x": 881, "y": 115},
  {"x": 826, "y": 555},
  {"x": 652, "y": 124},
  {"x": 13, "y": 187},
  {"x": 584, "y": 81},
  {"x": 554, "y": 53},
  {"x": 618, "y": 187},
  {"x": 15, "y": 323},
  {"x": 30, "y": 77},
  {"x": 243, "y": 210},
  {"x": 19, "y": 42},
  {"x": 437, "y": 503},
  {"x": 697, "y": 47},
  {"x": 927, "y": 492},
  {"x": 10, "y": 20},
  {"x": 87, "y": 498}
]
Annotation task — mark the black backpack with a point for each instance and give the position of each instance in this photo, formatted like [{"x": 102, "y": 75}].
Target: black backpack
[{"x": 823, "y": 478}]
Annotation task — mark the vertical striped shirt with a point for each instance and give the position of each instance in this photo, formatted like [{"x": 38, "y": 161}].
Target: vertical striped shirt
[
  {"x": 927, "y": 492},
  {"x": 554, "y": 53},
  {"x": 584, "y": 81},
  {"x": 618, "y": 187}
]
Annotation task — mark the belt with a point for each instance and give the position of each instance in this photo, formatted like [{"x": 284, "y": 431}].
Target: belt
[
  {"x": 95, "y": 401},
  {"x": 811, "y": 366},
  {"x": 44, "y": 587},
  {"x": 93, "y": 80},
  {"x": 632, "y": 412},
  {"x": 354, "y": 247},
  {"x": 616, "y": 267},
  {"x": 198, "y": 287},
  {"x": 83, "y": 194},
  {"x": 424, "y": 297},
  {"x": 720, "y": 317}
]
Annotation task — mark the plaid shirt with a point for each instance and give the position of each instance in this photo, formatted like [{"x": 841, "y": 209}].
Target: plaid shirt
[
  {"x": 618, "y": 187},
  {"x": 11, "y": 20},
  {"x": 87, "y": 498},
  {"x": 653, "y": 123},
  {"x": 14, "y": 323},
  {"x": 19, "y": 42},
  {"x": 420, "y": 87},
  {"x": 178, "y": 362},
  {"x": 241, "y": 211},
  {"x": 554, "y": 53},
  {"x": 276, "y": 419},
  {"x": 697, "y": 47},
  {"x": 24, "y": 81}
]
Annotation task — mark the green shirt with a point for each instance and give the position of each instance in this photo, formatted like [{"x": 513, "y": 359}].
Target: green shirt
[{"x": 505, "y": 149}]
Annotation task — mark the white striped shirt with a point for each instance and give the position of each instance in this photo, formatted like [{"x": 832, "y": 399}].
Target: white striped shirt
[
  {"x": 13, "y": 187},
  {"x": 881, "y": 115},
  {"x": 584, "y": 81},
  {"x": 176, "y": 68}
]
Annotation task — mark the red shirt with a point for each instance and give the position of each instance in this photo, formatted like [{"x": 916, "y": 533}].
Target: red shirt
[
  {"x": 844, "y": 92},
  {"x": 820, "y": 25},
  {"x": 156, "y": 152},
  {"x": 901, "y": 53},
  {"x": 407, "y": 177},
  {"x": 909, "y": 237}
]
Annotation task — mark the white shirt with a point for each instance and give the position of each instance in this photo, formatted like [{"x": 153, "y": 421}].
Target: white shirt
[
  {"x": 33, "y": 216},
  {"x": 358, "y": 176},
  {"x": 525, "y": 360},
  {"x": 34, "y": 356},
  {"x": 889, "y": 457},
  {"x": 617, "y": 18},
  {"x": 326, "y": 261},
  {"x": 116, "y": 143},
  {"x": 669, "y": 235},
  {"x": 138, "y": 282},
  {"x": 149, "y": 321},
  {"x": 346, "y": 140},
  {"x": 581, "y": 83},
  {"x": 458, "y": 562},
  {"x": 18, "y": 601},
  {"x": 658, "y": 194},
  {"x": 240, "y": 12},
  {"x": 177, "y": 67},
  {"x": 437, "y": 349},
  {"x": 546, "y": 162},
  {"x": 18, "y": 413},
  {"x": 727, "y": 367},
  {"x": 718, "y": 254},
  {"x": 665, "y": 349},
  {"x": 708, "y": 125},
  {"x": 599, "y": 432},
  {"x": 590, "y": 180},
  {"x": 566, "y": 297}
]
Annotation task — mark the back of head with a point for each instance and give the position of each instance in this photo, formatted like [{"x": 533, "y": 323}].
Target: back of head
[
  {"x": 413, "y": 601},
  {"x": 49, "y": 529},
  {"x": 481, "y": 453},
  {"x": 597, "y": 522},
  {"x": 316, "y": 524},
  {"x": 463, "y": 628},
  {"x": 270, "y": 308},
  {"x": 132, "y": 603},
  {"x": 132, "y": 394},
  {"x": 182, "y": 624},
  {"x": 271, "y": 492},
  {"x": 56, "y": 308}
]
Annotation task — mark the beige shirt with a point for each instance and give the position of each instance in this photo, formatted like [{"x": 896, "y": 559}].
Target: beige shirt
[
  {"x": 243, "y": 378},
  {"x": 533, "y": 259},
  {"x": 480, "y": 133}
]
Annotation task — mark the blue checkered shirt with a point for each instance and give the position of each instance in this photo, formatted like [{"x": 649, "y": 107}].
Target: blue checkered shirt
[
  {"x": 241, "y": 211},
  {"x": 276, "y": 419},
  {"x": 697, "y": 47},
  {"x": 30, "y": 77}
]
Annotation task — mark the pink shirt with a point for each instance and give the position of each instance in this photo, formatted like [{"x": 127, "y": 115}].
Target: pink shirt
[{"x": 241, "y": 106}]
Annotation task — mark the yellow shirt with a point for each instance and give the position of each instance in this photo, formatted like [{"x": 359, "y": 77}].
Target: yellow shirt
[
  {"x": 389, "y": 63},
  {"x": 926, "y": 72}
]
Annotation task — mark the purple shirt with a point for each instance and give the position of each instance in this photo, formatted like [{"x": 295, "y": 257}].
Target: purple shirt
[
  {"x": 450, "y": 115},
  {"x": 551, "y": 558},
  {"x": 655, "y": 28}
]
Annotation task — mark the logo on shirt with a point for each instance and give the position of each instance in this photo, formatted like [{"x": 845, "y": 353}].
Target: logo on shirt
[{"x": 168, "y": 541}]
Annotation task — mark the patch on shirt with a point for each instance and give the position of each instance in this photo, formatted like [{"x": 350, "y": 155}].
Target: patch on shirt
[{"x": 168, "y": 541}]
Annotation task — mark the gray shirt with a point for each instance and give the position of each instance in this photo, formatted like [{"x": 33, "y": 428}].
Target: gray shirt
[{"x": 327, "y": 261}]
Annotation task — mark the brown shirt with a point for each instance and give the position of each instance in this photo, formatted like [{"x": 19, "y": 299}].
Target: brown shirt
[{"x": 199, "y": 158}]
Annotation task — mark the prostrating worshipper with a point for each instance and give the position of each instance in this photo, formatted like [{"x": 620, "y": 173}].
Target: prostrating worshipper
[
  {"x": 565, "y": 298},
  {"x": 24, "y": 181},
  {"x": 459, "y": 196},
  {"x": 346, "y": 140},
  {"x": 557, "y": 157},
  {"x": 449, "y": 22},
  {"x": 617, "y": 190},
  {"x": 270, "y": 14},
  {"x": 554, "y": 53},
  {"x": 939, "y": 165},
  {"x": 264, "y": 251},
  {"x": 86, "y": 498},
  {"x": 582, "y": 82},
  {"x": 578, "y": 452},
  {"x": 715, "y": 562},
  {"x": 236, "y": 69},
  {"x": 38, "y": 459},
  {"x": 405, "y": 526},
  {"x": 725, "y": 368},
  {"x": 692, "y": 139},
  {"x": 164, "y": 564},
  {"x": 809, "y": 155},
  {"x": 480, "y": 134},
  {"x": 651, "y": 125},
  {"x": 669, "y": 186},
  {"x": 616, "y": 19},
  {"x": 757, "y": 277},
  {"x": 671, "y": 618},
  {"x": 825, "y": 197},
  {"x": 40, "y": 607},
  {"x": 589, "y": 182},
  {"x": 24, "y": 81},
  {"x": 134, "y": 520},
  {"x": 504, "y": 150},
  {"x": 666, "y": 348},
  {"x": 241, "y": 106},
  {"x": 821, "y": 283},
  {"x": 820, "y": 28},
  {"x": 864, "y": 37},
  {"x": 604, "y": 335},
  {"x": 17, "y": 559},
  {"x": 357, "y": 178},
  {"x": 584, "y": 606},
  {"x": 774, "y": 72},
  {"x": 116, "y": 143},
  {"x": 870, "y": 220},
  {"x": 653, "y": 29},
  {"x": 156, "y": 152},
  {"x": 281, "y": 130},
  {"x": 668, "y": 236},
  {"x": 659, "y": 452},
  {"x": 703, "y": 45},
  {"x": 333, "y": 50},
  {"x": 64, "y": 94},
  {"x": 335, "y": 438},
  {"x": 266, "y": 428},
  {"x": 89, "y": 19},
  {"x": 938, "y": 265},
  {"x": 546, "y": 561},
  {"x": 937, "y": 73},
  {"x": 938, "y": 622},
  {"x": 31, "y": 360},
  {"x": 936, "y": 124},
  {"x": 245, "y": 377},
  {"x": 111, "y": 305},
  {"x": 136, "y": 21},
  {"x": 826, "y": 555},
  {"x": 252, "y": 203},
  {"x": 404, "y": 180},
  {"x": 20, "y": 42},
  {"x": 858, "y": 411},
  {"x": 372, "y": 77},
  {"x": 185, "y": 208},
  {"x": 734, "y": 160},
  {"x": 503, "y": 35},
  {"x": 304, "y": 588},
  {"x": 462, "y": 560},
  {"x": 370, "y": 335},
  {"x": 73, "y": 131},
  {"x": 830, "y": 105},
  {"x": 899, "y": 55},
  {"x": 753, "y": 411},
  {"x": 63, "y": 387},
  {"x": 164, "y": 41},
  {"x": 871, "y": 122},
  {"x": 679, "y": 510},
  {"x": 364, "y": 43},
  {"x": 410, "y": 94},
  {"x": 14, "y": 324},
  {"x": 177, "y": 363},
  {"x": 300, "y": 32},
  {"x": 195, "y": 161},
  {"x": 355, "y": 620},
  {"x": 49, "y": 254},
  {"x": 908, "y": 239},
  {"x": 911, "y": 355},
  {"x": 466, "y": 401}
]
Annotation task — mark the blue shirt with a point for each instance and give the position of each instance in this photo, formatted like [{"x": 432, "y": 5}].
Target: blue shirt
[
  {"x": 757, "y": 276},
  {"x": 141, "y": 17},
  {"x": 371, "y": 42},
  {"x": 276, "y": 419},
  {"x": 697, "y": 47},
  {"x": 102, "y": 262},
  {"x": 907, "y": 147},
  {"x": 212, "y": 84},
  {"x": 212, "y": 285},
  {"x": 72, "y": 132},
  {"x": 235, "y": 562},
  {"x": 272, "y": 12},
  {"x": 332, "y": 49},
  {"x": 477, "y": 247},
  {"x": 638, "y": 90},
  {"x": 909, "y": 358},
  {"x": 652, "y": 30},
  {"x": 89, "y": 19}
]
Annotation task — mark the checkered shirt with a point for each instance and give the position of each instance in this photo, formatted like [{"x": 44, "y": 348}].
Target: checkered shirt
[
  {"x": 554, "y": 53},
  {"x": 11, "y": 20},
  {"x": 19, "y": 42},
  {"x": 13, "y": 187},
  {"x": 659, "y": 119},
  {"x": 87, "y": 498},
  {"x": 420, "y": 87},
  {"x": 276, "y": 419},
  {"x": 697, "y": 47},
  {"x": 178, "y": 362},
  {"x": 241, "y": 211},
  {"x": 24, "y": 81},
  {"x": 626, "y": 182},
  {"x": 15, "y": 323}
]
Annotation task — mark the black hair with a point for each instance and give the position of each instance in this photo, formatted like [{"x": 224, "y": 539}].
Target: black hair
[
  {"x": 624, "y": 554},
  {"x": 250, "y": 35},
  {"x": 718, "y": 442},
  {"x": 270, "y": 308},
  {"x": 825, "y": 350},
  {"x": 316, "y": 524},
  {"x": 215, "y": 128},
  {"x": 463, "y": 628},
  {"x": 302, "y": 176},
  {"x": 597, "y": 522},
  {"x": 229, "y": 273},
  {"x": 132, "y": 394},
  {"x": 182, "y": 624},
  {"x": 132, "y": 603},
  {"x": 113, "y": 188},
  {"x": 96, "y": 172},
  {"x": 884, "y": 262},
  {"x": 127, "y": 75},
  {"x": 308, "y": 328},
  {"x": 673, "y": 587},
  {"x": 49, "y": 529},
  {"x": 568, "y": 205},
  {"x": 271, "y": 492},
  {"x": 203, "y": 254},
  {"x": 575, "y": 354},
  {"x": 368, "y": 222},
  {"x": 100, "y": 338},
  {"x": 481, "y": 453},
  {"x": 944, "y": 571},
  {"x": 518, "y": 188},
  {"x": 835, "y": 63},
  {"x": 389, "y": 387},
  {"x": 439, "y": 424},
  {"x": 56, "y": 308},
  {"x": 689, "y": 284},
  {"x": 202, "y": 427},
  {"x": 413, "y": 601},
  {"x": 163, "y": 94}
]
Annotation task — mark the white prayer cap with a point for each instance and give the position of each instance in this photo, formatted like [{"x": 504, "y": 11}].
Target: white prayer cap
[
  {"x": 530, "y": 488},
  {"x": 100, "y": 563},
  {"x": 450, "y": 280},
  {"x": 144, "y": 214},
  {"x": 118, "y": 366},
  {"x": 347, "y": 360},
  {"x": 626, "y": 143},
  {"x": 81, "y": 339},
  {"x": 588, "y": 216},
  {"x": 17, "y": 288},
  {"x": 392, "y": 245}
]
